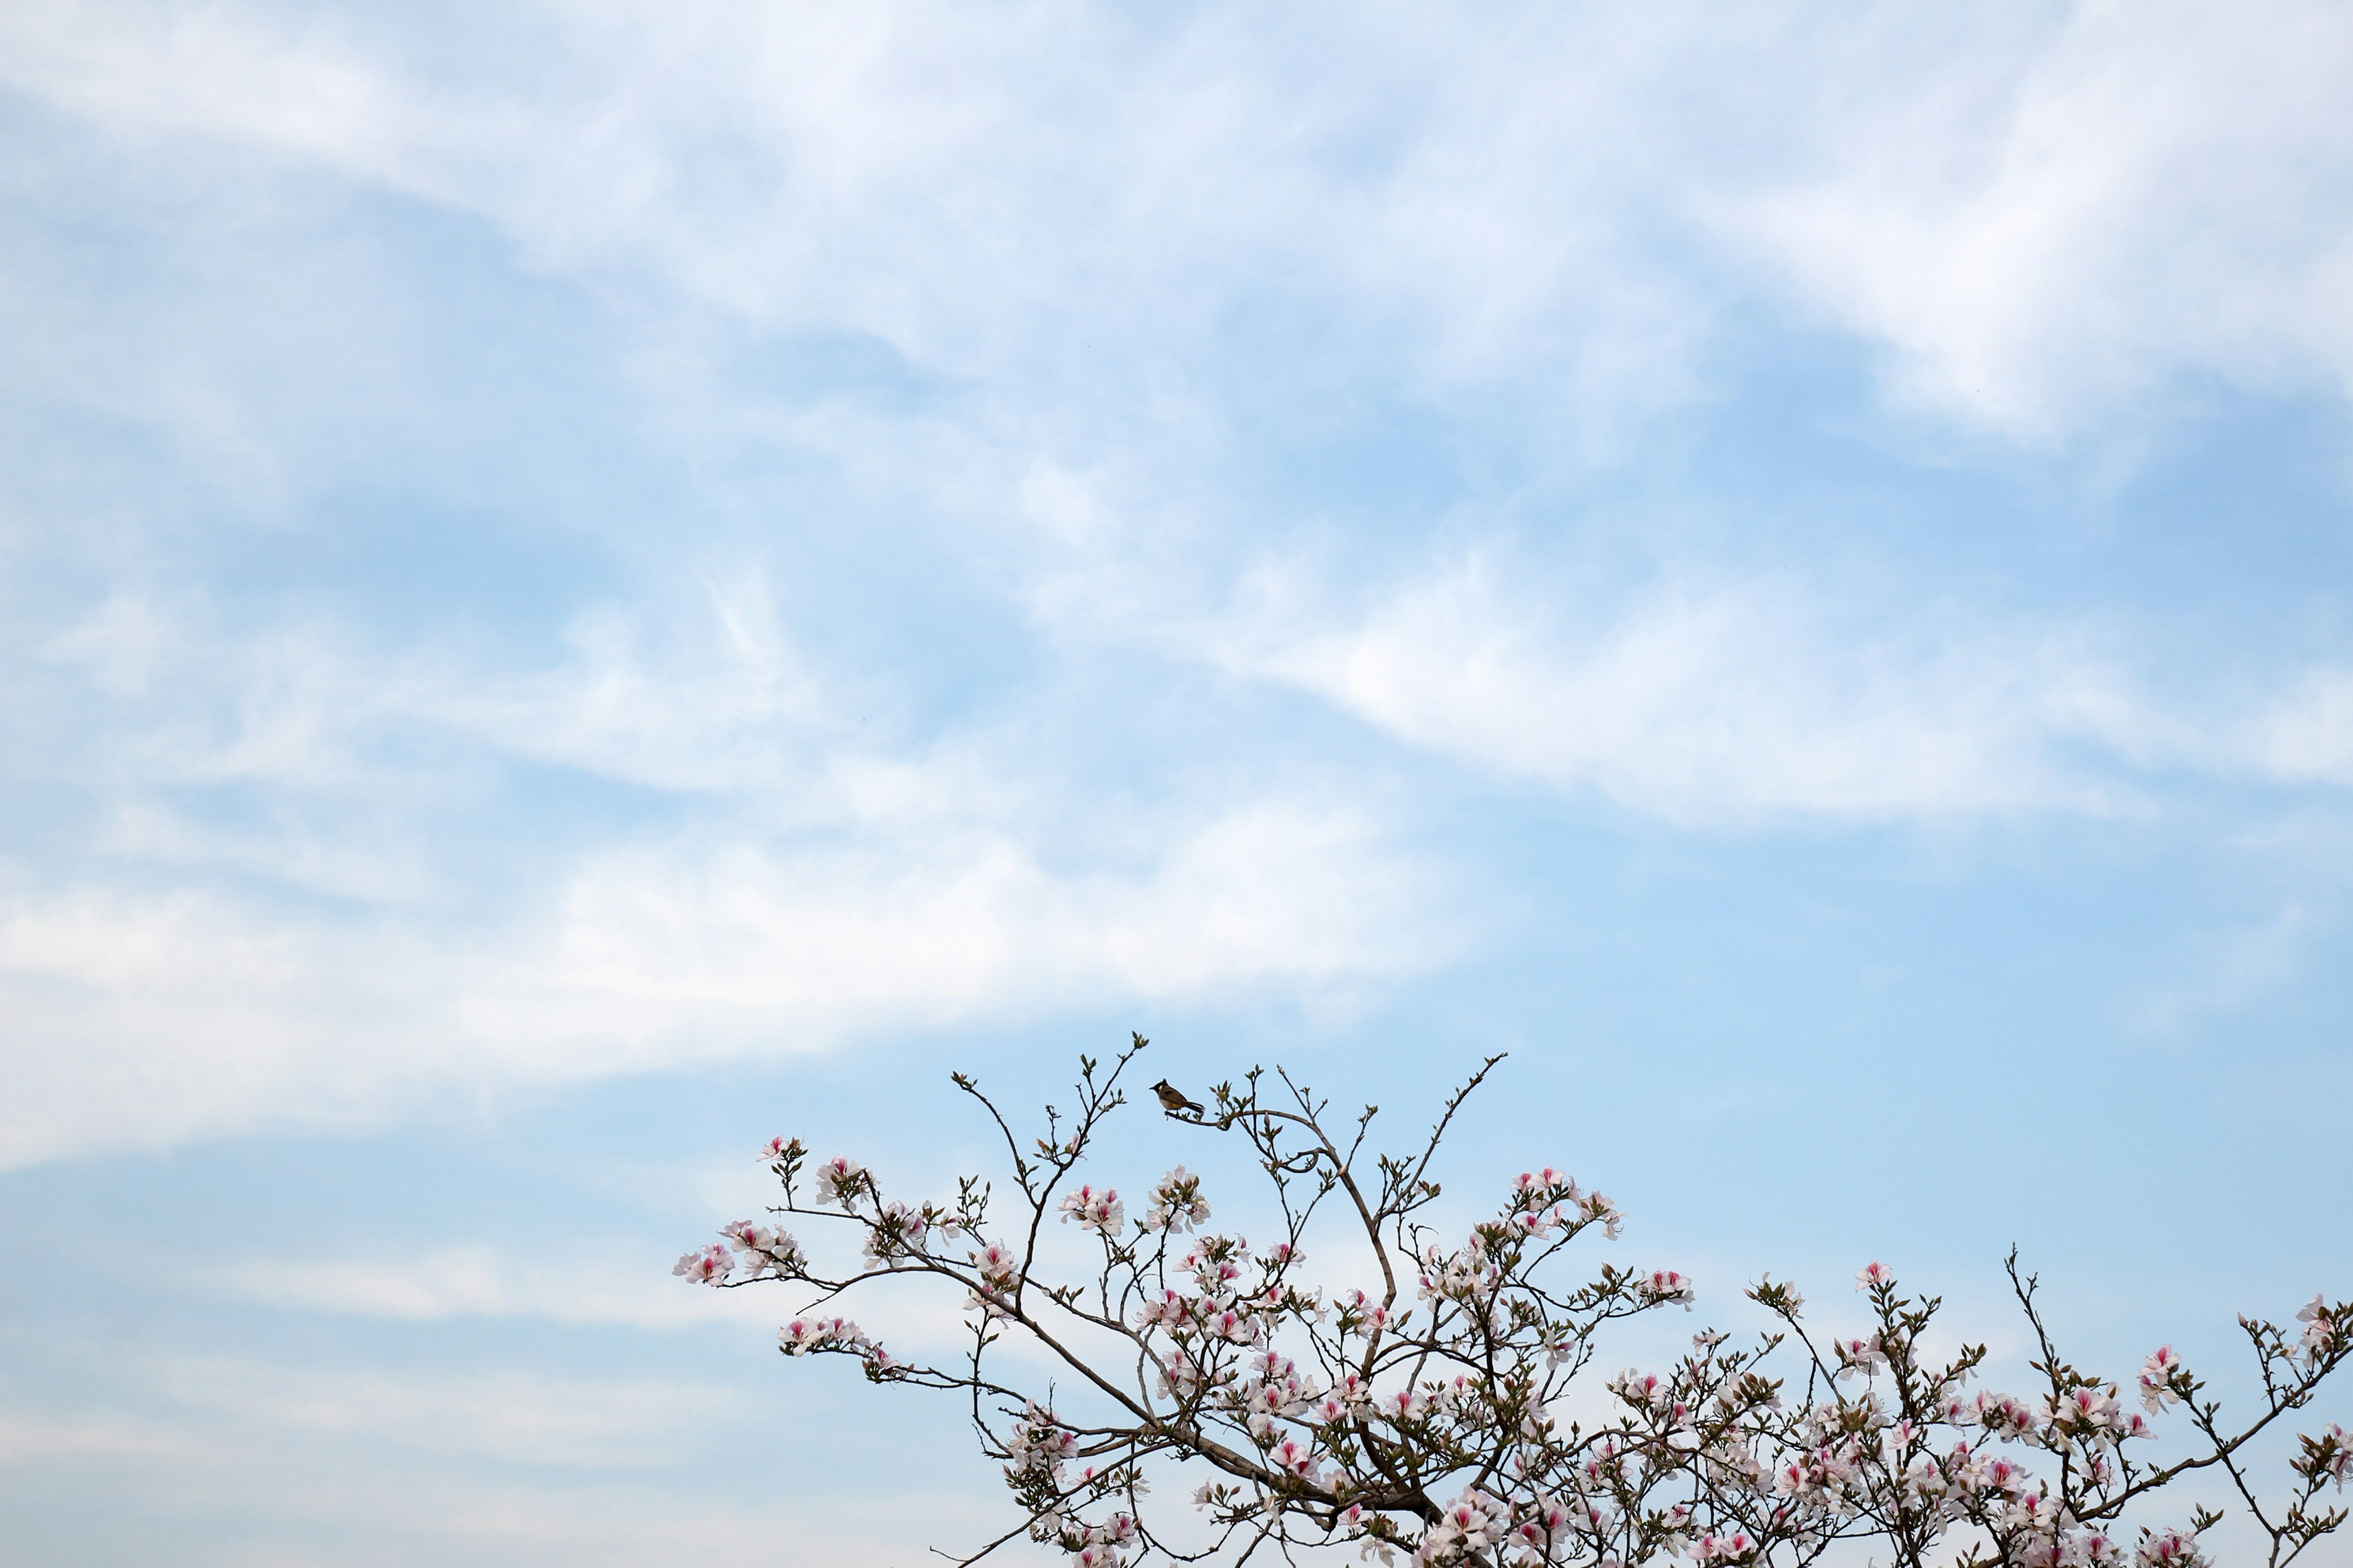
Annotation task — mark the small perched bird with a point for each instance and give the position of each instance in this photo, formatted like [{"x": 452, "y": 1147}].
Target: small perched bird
[{"x": 1172, "y": 1098}]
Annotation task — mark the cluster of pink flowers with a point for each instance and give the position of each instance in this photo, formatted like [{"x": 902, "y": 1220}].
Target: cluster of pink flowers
[
  {"x": 1098, "y": 1545},
  {"x": 2000, "y": 1414},
  {"x": 895, "y": 1235},
  {"x": 1545, "y": 1524},
  {"x": 710, "y": 1266},
  {"x": 1177, "y": 1203},
  {"x": 1543, "y": 1200},
  {"x": 763, "y": 1250},
  {"x": 1349, "y": 1396},
  {"x": 1275, "y": 1389},
  {"x": 1360, "y": 1313},
  {"x": 1216, "y": 1265},
  {"x": 999, "y": 1268},
  {"x": 1469, "y": 1525},
  {"x": 1865, "y": 1354},
  {"x": 1039, "y": 1444},
  {"x": 1735, "y": 1547},
  {"x": 1400, "y": 1405},
  {"x": 2328, "y": 1458},
  {"x": 2089, "y": 1418},
  {"x": 2163, "y": 1379},
  {"x": 1298, "y": 1460},
  {"x": 1666, "y": 1285},
  {"x": 1820, "y": 1476},
  {"x": 2320, "y": 1327},
  {"x": 2169, "y": 1549},
  {"x": 1470, "y": 1276},
  {"x": 1097, "y": 1210},
  {"x": 1667, "y": 1404},
  {"x": 803, "y": 1335},
  {"x": 842, "y": 1181}
]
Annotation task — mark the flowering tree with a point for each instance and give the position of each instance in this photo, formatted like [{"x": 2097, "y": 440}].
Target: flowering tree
[{"x": 1444, "y": 1406}]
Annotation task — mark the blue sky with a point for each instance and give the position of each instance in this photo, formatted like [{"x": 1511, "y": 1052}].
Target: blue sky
[{"x": 580, "y": 586}]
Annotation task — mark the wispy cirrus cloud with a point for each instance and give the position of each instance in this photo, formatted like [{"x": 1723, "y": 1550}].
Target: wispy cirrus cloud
[
  {"x": 2065, "y": 213},
  {"x": 2041, "y": 212},
  {"x": 1716, "y": 701},
  {"x": 788, "y": 884}
]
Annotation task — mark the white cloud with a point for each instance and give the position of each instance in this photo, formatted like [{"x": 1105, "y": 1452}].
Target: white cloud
[
  {"x": 737, "y": 944},
  {"x": 1025, "y": 191},
  {"x": 2044, "y": 211},
  {"x": 827, "y": 888},
  {"x": 1707, "y": 701},
  {"x": 138, "y": 1020},
  {"x": 245, "y": 1465},
  {"x": 516, "y": 1417},
  {"x": 918, "y": 1317},
  {"x": 26, "y": 1436},
  {"x": 2044, "y": 223},
  {"x": 2305, "y": 736},
  {"x": 614, "y": 1286}
]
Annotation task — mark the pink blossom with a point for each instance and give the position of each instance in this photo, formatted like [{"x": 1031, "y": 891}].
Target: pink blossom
[
  {"x": 1095, "y": 1210},
  {"x": 2329, "y": 1457},
  {"x": 1038, "y": 1445},
  {"x": 2319, "y": 1326},
  {"x": 1722, "y": 1548},
  {"x": 708, "y": 1267},
  {"x": 1177, "y": 1203},
  {"x": 2169, "y": 1549},
  {"x": 2083, "y": 1413},
  {"x": 1667, "y": 1285},
  {"x": 1404, "y": 1405},
  {"x": 2090, "y": 1549},
  {"x": 1866, "y": 1355},
  {"x": 803, "y": 1335},
  {"x": 764, "y": 1249},
  {"x": 896, "y": 1234},
  {"x": 1539, "y": 1189},
  {"x": 839, "y": 1181},
  {"x": 1168, "y": 1308},
  {"x": 2005, "y": 1415},
  {"x": 997, "y": 1264},
  {"x": 1297, "y": 1460},
  {"x": 1643, "y": 1390},
  {"x": 2159, "y": 1375},
  {"x": 1872, "y": 1274}
]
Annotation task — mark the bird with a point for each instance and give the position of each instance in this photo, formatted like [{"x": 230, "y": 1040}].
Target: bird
[{"x": 1172, "y": 1098}]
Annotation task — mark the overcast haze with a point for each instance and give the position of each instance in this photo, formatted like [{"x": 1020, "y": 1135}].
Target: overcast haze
[{"x": 581, "y": 585}]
